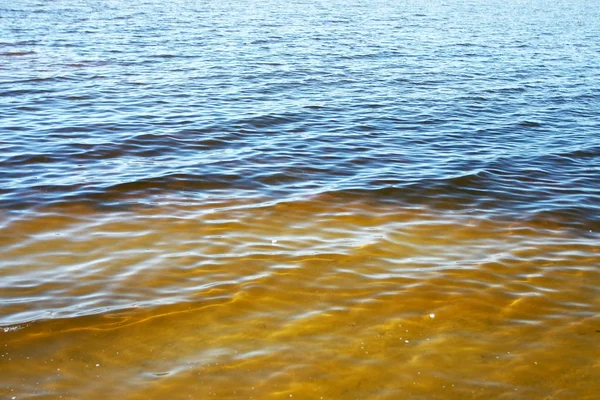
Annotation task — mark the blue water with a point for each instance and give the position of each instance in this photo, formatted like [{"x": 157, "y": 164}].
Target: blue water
[{"x": 489, "y": 105}]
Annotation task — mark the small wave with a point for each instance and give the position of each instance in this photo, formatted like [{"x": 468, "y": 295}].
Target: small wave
[
  {"x": 582, "y": 153},
  {"x": 17, "y": 53},
  {"x": 18, "y": 43},
  {"x": 23, "y": 92},
  {"x": 530, "y": 124},
  {"x": 38, "y": 80},
  {"x": 267, "y": 120},
  {"x": 164, "y": 56},
  {"x": 507, "y": 90},
  {"x": 28, "y": 159},
  {"x": 180, "y": 182}
]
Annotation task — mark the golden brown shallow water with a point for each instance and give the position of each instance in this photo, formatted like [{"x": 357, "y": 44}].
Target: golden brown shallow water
[{"x": 332, "y": 298}]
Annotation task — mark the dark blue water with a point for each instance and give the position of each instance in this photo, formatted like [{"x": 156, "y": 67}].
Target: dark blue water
[{"x": 485, "y": 105}]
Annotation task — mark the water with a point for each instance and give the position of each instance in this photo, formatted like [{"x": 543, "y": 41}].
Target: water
[{"x": 299, "y": 199}]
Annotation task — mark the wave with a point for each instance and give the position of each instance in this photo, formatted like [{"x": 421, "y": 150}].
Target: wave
[
  {"x": 17, "y": 53},
  {"x": 496, "y": 193}
]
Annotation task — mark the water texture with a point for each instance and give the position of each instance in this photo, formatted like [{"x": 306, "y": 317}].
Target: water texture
[{"x": 309, "y": 199}]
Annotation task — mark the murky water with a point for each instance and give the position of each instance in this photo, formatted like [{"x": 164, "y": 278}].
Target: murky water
[{"x": 308, "y": 200}]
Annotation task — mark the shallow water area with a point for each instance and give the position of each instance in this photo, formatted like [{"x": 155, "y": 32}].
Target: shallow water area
[
  {"x": 331, "y": 297},
  {"x": 355, "y": 199}
]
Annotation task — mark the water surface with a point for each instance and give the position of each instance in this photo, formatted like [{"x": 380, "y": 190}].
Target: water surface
[{"x": 306, "y": 199}]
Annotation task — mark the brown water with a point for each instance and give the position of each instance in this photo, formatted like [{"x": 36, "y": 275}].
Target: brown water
[{"x": 334, "y": 297}]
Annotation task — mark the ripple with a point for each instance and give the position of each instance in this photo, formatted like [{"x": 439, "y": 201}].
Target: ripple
[
  {"x": 17, "y": 53},
  {"x": 312, "y": 200},
  {"x": 169, "y": 258}
]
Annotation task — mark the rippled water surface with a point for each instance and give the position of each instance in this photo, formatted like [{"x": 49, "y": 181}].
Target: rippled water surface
[{"x": 299, "y": 199}]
